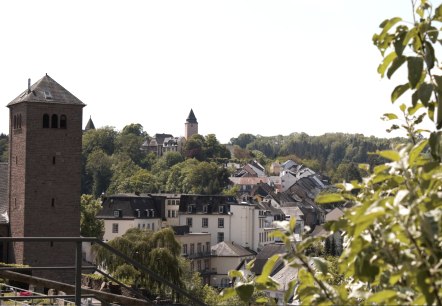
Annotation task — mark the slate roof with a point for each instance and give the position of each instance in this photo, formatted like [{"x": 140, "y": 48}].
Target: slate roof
[
  {"x": 230, "y": 249},
  {"x": 46, "y": 90},
  {"x": 191, "y": 118},
  {"x": 213, "y": 203},
  {"x": 319, "y": 231},
  {"x": 249, "y": 180},
  {"x": 334, "y": 215},
  {"x": 129, "y": 204},
  {"x": 90, "y": 125},
  {"x": 4, "y": 177},
  {"x": 284, "y": 276},
  {"x": 268, "y": 251}
]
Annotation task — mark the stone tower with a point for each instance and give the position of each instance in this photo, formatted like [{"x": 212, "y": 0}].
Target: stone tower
[
  {"x": 45, "y": 175},
  {"x": 191, "y": 125}
]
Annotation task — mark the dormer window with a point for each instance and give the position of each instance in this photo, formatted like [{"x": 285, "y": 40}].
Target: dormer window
[
  {"x": 152, "y": 213},
  {"x": 205, "y": 208},
  {"x": 138, "y": 213},
  {"x": 48, "y": 95},
  {"x": 147, "y": 212},
  {"x": 117, "y": 213},
  {"x": 221, "y": 209},
  {"x": 189, "y": 208}
]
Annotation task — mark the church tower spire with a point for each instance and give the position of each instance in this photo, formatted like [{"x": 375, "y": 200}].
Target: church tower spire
[{"x": 191, "y": 125}]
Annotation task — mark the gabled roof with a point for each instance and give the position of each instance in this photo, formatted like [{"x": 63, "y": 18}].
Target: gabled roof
[
  {"x": 268, "y": 251},
  {"x": 334, "y": 215},
  {"x": 4, "y": 177},
  {"x": 191, "y": 118},
  {"x": 46, "y": 90},
  {"x": 230, "y": 249}
]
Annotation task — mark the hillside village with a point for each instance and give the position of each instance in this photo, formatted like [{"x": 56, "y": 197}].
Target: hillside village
[{"x": 217, "y": 233}]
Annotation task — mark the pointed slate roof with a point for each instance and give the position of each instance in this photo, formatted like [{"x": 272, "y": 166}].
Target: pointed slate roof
[
  {"x": 90, "y": 125},
  {"x": 46, "y": 90},
  {"x": 191, "y": 118}
]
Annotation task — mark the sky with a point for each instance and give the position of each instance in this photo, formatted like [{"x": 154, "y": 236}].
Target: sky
[{"x": 260, "y": 67}]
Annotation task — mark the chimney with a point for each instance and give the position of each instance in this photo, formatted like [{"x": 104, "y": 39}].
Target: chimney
[{"x": 29, "y": 85}]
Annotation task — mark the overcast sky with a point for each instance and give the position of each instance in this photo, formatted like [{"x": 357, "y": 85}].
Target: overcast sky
[{"x": 259, "y": 67}]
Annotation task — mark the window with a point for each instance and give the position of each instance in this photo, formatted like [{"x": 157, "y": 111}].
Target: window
[
  {"x": 206, "y": 264},
  {"x": 53, "y": 202},
  {"x": 192, "y": 266},
  {"x": 192, "y": 248},
  {"x": 198, "y": 247},
  {"x": 208, "y": 246},
  {"x": 54, "y": 121},
  {"x": 185, "y": 249},
  {"x": 173, "y": 202},
  {"x": 116, "y": 213},
  {"x": 138, "y": 213},
  {"x": 45, "y": 121},
  {"x": 220, "y": 222},
  {"x": 173, "y": 214},
  {"x": 205, "y": 222},
  {"x": 198, "y": 265},
  {"x": 220, "y": 237},
  {"x": 15, "y": 122},
  {"x": 204, "y": 208},
  {"x": 115, "y": 228},
  {"x": 169, "y": 214},
  {"x": 152, "y": 212},
  {"x": 177, "y": 202},
  {"x": 63, "y": 122},
  {"x": 221, "y": 209},
  {"x": 189, "y": 208},
  {"x": 189, "y": 222}
]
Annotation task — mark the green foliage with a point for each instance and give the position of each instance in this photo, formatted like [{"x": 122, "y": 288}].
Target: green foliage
[
  {"x": 89, "y": 225},
  {"x": 158, "y": 251},
  {"x": 392, "y": 251}
]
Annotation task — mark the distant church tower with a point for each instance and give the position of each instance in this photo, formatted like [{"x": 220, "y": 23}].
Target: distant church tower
[
  {"x": 191, "y": 125},
  {"x": 45, "y": 175}
]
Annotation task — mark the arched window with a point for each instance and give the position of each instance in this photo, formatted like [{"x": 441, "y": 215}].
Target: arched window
[
  {"x": 45, "y": 121},
  {"x": 15, "y": 122},
  {"x": 63, "y": 122},
  {"x": 54, "y": 121},
  {"x": 19, "y": 121}
]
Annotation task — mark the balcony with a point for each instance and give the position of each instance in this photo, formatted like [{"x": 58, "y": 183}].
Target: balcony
[
  {"x": 199, "y": 255},
  {"x": 211, "y": 271}
]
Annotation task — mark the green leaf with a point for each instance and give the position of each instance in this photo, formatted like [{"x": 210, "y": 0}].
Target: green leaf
[
  {"x": 414, "y": 153},
  {"x": 389, "y": 154},
  {"x": 390, "y": 116},
  {"x": 386, "y": 62},
  {"x": 236, "y": 274},
  {"x": 415, "y": 67},
  {"x": 289, "y": 291},
  {"x": 268, "y": 268},
  {"x": 228, "y": 293},
  {"x": 292, "y": 224},
  {"x": 410, "y": 35},
  {"x": 262, "y": 300},
  {"x": 423, "y": 93},
  {"x": 438, "y": 13},
  {"x": 321, "y": 265},
  {"x": 429, "y": 55},
  {"x": 381, "y": 297},
  {"x": 250, "y": 264},
  {"x": 398, "y": 91},
  {"x": 329, "y": 198},
  {"x": 413, "y": 109},
  {"x": 245, "y": 291},
  {"x": 396, "y": 64}
]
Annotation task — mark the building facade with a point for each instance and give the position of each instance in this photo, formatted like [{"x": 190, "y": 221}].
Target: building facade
[{"x": 44, "y": 175}]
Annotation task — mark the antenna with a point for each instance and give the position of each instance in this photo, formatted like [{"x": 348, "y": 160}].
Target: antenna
[{"x": 29, "y": 85}]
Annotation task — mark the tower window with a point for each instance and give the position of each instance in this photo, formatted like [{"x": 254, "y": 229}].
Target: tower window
[
  {"x": 45, "y": 121},
  {"x": 54, "y": 121},
  {"x": 53, "y": 202},
  {"x": 15, "y": 122},
  {"x": 63, "y": 122},
  {"x": 53, "y": 160}
]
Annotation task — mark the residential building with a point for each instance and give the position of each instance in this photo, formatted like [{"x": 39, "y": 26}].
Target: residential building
[
  {"x": 172, "y": 206},
  {"x": 124, "y": 211},
  {"x": 228, "y": 255},
  {"x": 246, "y": 223},
  {"x": 196, "y": 248}
]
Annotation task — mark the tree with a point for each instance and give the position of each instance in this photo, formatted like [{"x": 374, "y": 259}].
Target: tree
[
  {"x": 158, "y": 251},
  {"x": 4, "y": 143},
  {"x": 89, "y": 225},
  {"x": 98, "y": 166},
  {"x": 393, "y": 230}
]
